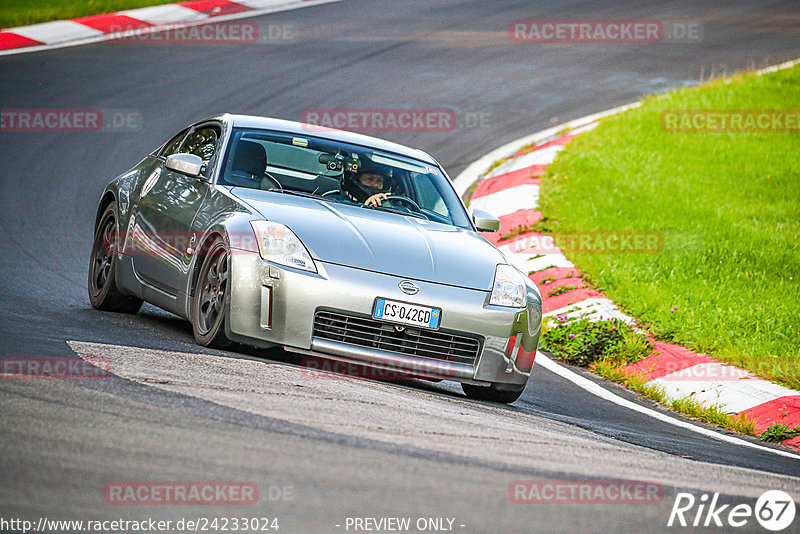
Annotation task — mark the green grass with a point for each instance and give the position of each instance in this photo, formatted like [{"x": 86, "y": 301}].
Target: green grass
[
  {"x": 605, "y": 346},
  {"x": 22, "y": 12},
  {"x": 560, "y": 290},
  {"x": 584, "y": 342},
  {"x": 687, "y": 405},
  {"x": 777, "y": 433},
  {"x": 728, "y": 206}
]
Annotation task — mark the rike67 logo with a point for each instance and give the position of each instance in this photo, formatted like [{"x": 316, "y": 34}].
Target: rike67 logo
[{"x": 774, "y": 510}]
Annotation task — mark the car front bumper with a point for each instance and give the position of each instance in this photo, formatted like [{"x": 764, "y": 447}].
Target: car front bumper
[{"x": 275, "y": 305}]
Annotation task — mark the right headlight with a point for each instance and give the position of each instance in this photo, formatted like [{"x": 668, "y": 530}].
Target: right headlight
[
  {"x": 278, "y": 244},
  {"x": 509, "y": 288}
]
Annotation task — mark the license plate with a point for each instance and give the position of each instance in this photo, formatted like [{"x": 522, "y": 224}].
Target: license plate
[{"x": 405, "y": 313}]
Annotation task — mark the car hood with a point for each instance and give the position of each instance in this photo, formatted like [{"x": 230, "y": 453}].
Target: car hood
[{"x": 383, "y": 242}]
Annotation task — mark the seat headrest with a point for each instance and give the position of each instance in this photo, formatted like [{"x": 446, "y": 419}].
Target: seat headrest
[{"x": 250, "y": 158}]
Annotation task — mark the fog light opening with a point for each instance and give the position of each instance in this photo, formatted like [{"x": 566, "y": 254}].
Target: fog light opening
[{"x": 266, "y": 307}]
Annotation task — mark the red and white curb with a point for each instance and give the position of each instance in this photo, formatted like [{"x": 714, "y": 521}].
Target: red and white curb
[
  {"x": 144, "y": 20},
  {"x": 511, "y": 192}
]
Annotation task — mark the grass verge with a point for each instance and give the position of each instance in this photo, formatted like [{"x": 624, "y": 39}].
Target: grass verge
[
  {"x": 604, "y": 346},
  {"x": 778, "y": 432},
  {"x": 22, "y": 12},
  {"x": 727, "y": 279},
  {"x": 687, "y": 406}
]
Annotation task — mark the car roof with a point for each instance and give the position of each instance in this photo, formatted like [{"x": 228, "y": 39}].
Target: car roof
[{"x": 311, "y": 130}]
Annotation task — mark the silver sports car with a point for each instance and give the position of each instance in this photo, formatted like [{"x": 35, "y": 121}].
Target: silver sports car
[{"x": 328, "y": 243}]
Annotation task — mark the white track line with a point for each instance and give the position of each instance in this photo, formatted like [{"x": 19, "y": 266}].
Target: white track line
[
  {"x": 595, "y": 389},
  {"x": 166, "y": 14},
  {"x": 263, "y": 4},
  {"x": 593, "y": 309},
  {"x": 57, "y": 31},
  {"x": 275, "y": 7},
  {"x": 542, "y": 156},
  {"x": 507, "y": 201},
  {"x": 734, "y": 389},
  {"x": 475, "y": 171}
]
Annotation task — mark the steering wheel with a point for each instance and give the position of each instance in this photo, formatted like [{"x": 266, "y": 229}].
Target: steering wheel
[
  {"x": 413, "y": 205},
  {"x": 331, "y": 192}
]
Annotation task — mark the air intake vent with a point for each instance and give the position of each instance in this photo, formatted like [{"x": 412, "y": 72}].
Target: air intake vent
[{"x": 364, "y": 332}]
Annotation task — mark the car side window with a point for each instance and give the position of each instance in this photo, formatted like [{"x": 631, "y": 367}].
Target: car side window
[
  {"x": 201, "y": 142},
  {"x": 172, "y": 145}
]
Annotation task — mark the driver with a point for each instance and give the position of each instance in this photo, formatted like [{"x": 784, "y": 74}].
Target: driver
[{"x": 368, "y": 184}]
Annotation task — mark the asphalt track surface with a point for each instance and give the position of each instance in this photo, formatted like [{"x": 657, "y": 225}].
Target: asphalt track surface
[{"x": 344, "y": 448}]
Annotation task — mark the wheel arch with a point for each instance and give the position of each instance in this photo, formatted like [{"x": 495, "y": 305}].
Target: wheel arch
[
  {"x": 232, "y": 230},
  {"x": 203, "y": 245},
  {"x": 107, "y": 198}
]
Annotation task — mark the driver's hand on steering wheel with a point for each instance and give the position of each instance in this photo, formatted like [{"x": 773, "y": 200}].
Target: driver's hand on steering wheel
[{"x": 376, "y": 199}]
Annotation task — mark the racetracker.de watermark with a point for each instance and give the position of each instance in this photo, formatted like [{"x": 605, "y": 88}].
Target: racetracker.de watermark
[
  {"x": 70, "y": 120},
  {"x": 141, "y": 243},
  {"x": 392, "y": 119},
  {"x": 172, "y": 493},
  {"x": 54, "y": 368},
  {"x": 594, "y": 242},
  {"x": 219, "y": 33},
  {"x": 632, "y": 31},
  {"x": 720, "y": 372},
  {"x": 314, "y": 368},
  {"x": 585, "y": 492},
  {"x": 730, "y": 121}
]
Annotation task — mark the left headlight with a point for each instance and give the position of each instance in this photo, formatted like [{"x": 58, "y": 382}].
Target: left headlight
[
  {"x": 278, "y": 244},
  {"x": 509, "y": 288}
]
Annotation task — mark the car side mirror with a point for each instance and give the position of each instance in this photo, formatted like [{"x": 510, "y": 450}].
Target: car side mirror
[
  {"x": 485, "y": 221},
  {"x": 187, "y": 164}
]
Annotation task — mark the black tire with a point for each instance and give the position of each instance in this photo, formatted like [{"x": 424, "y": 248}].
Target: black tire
[
  {"x": 210, "y": 297},
  {"x": 102, "y": 286},
  {"x": 507, "y": 395}
]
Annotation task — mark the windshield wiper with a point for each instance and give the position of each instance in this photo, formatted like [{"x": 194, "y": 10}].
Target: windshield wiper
[{"x": 302, "y": 194}]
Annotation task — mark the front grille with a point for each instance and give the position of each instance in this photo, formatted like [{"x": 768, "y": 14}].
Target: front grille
[{"x": 367, "y": 332}]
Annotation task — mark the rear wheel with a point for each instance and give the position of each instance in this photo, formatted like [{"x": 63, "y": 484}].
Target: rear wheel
[
  {"x": 103, "y": 292},
  {"x": 210, "y": 297},
  {"x": 492, "y": 393}
]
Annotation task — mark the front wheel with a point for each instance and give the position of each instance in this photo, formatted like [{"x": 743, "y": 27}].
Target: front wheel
[
  {"x": 103, "y": 292},
  {"x": 210, "y": 297},
  {"x": 507, "y": 395}
]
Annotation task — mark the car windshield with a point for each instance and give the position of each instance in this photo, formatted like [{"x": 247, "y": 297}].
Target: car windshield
[{"x": 340, "y": 172}]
